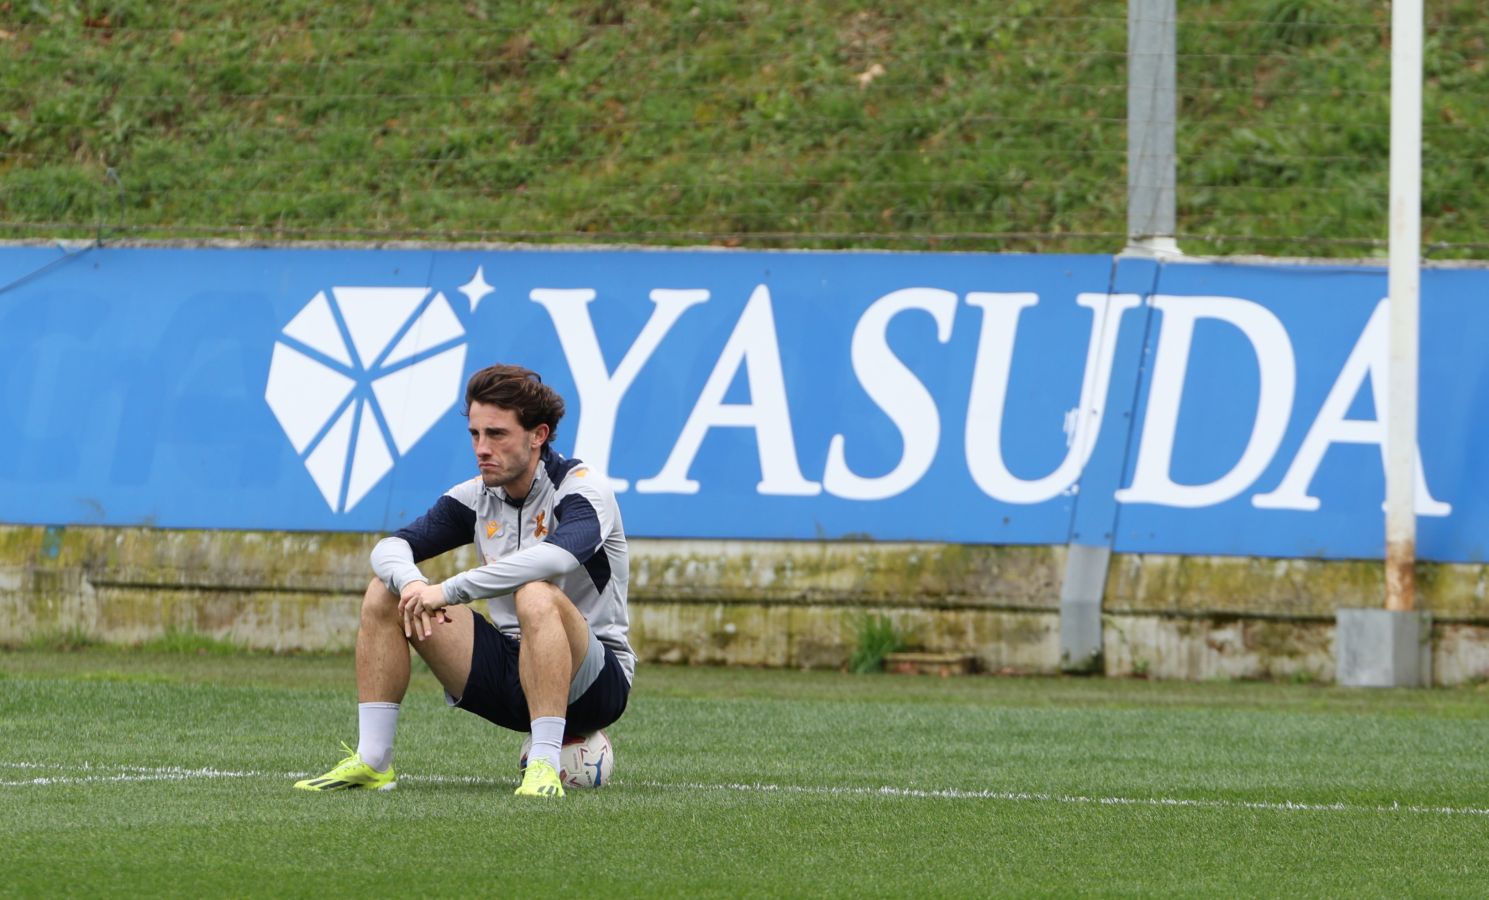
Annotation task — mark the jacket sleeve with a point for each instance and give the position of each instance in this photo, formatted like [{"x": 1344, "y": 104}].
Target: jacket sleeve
[
  {"x": 580, "y": 511},
  {"x": 539, "y": 562},
  {"x": 447, "y": 525}
]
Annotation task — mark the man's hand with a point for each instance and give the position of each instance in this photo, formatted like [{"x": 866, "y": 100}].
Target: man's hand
[{"x": 421, "y": 604}]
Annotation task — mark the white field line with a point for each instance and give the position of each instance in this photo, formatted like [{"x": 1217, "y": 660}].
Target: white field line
[
  {"x": 88, "y": 773},
  {"x": 95, "y": 775}
]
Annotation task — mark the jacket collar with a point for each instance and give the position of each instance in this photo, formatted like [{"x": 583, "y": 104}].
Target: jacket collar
[{"x": 545, "y": 459}]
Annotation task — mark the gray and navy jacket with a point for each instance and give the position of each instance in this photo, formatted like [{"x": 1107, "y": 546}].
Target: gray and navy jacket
[{"x": 566, "y": 531}]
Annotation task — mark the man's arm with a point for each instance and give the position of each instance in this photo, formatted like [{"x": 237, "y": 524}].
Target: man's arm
[
  {"x": 539, "y": 562},
  {"x": 447, "y": 525},
  {"x": 579, "y": 532}
]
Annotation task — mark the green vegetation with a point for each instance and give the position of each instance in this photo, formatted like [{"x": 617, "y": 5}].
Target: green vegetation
[
  {"x": 172, "y": 641},
  {"x": 968, "y": 126},
  {"x": 139, "y": 774},
  {"x": 176, "y": 640},
  {"x": 877, "y": 638},
  {"x": 74, "y": 637}
]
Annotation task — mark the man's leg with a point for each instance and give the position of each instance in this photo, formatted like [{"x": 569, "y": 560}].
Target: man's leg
[
  {"x": 382, "y": 650},
  {"x": 382, "y": 675},
  {"x": 555, "y": 639},
  {"x": 383, "y": 667},
  {"x": 382, "y": 681},
  {"x": 449, "y": 648}
]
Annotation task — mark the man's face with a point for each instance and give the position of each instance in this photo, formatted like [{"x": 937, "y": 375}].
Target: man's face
[{"x": 504, "y": 449}]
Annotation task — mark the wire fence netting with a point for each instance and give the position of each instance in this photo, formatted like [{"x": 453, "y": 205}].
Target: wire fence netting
[{"x": 970, "y": 126}]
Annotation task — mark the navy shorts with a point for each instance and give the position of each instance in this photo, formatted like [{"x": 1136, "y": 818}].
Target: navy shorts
[{"x": 494, "y": 692}]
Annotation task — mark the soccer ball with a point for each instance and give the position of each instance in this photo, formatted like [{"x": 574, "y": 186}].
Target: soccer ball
[{"x": 586, "y": 760}]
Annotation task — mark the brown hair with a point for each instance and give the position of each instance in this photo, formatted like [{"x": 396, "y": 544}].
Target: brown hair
[{"x": 520, "y": 390}]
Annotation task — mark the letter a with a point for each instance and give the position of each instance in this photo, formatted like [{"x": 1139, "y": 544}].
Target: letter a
[
  {"x": 1371, "y": 357},
  {"x": 752, "y": 345}
]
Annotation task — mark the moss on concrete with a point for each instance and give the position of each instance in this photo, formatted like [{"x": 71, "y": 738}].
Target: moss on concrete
[
  {"x": 847, "y": 573},
  {"x": 764, "y": 603},
  {"x": 1283, "y": 587}
]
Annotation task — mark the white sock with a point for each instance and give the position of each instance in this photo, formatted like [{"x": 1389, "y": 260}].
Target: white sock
[
  {"x": 376, "y": 723},
  {"x": 548, "y": 739}
]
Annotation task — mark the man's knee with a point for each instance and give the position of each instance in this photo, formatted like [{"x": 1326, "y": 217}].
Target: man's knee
[
  {"x": 538, "y": 598},
  {"x": 379, "y": 602}
]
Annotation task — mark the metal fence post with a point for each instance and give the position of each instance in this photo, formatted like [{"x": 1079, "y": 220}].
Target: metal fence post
[
  {"x": 1151, "y": 110},
  {"x": 1151, "y": 171}
]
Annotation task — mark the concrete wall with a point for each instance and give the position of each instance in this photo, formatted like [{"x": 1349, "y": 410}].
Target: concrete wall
[{"x": 754, "y": 602}]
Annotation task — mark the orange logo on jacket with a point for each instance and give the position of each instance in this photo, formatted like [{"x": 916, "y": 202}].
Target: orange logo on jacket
[
  {"x": 493, "y": 528},
  {"x": 538, "y": 529}
]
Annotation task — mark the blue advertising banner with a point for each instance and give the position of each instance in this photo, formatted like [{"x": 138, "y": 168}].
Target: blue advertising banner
[{"x": 1179, "y": 407}]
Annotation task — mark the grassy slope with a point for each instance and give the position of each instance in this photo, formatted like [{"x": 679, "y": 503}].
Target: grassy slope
[
  {"x": 993, "y": 126},
  {"x": 671, "y": 825}
]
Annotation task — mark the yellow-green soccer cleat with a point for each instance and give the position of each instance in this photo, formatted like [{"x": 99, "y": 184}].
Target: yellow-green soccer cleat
[
  {"x": 351, "y": 774},
  {"x": 540, "y": 779}
]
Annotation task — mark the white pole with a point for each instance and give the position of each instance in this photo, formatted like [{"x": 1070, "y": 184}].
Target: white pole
[{"x": 1404, "y": 284}]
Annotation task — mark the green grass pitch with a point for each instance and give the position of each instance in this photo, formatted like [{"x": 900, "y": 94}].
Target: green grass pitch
[{"x": 167, "y": 774}]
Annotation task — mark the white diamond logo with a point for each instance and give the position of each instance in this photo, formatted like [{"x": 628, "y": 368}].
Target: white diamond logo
[{"x": 357, "y": 382}]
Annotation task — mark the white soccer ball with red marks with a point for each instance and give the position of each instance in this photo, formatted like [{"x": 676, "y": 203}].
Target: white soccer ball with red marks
[{"x": 586, "y": 760}]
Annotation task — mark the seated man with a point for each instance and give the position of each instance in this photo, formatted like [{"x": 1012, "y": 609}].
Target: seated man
[{"x": 557, "y": 657}]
